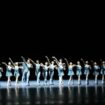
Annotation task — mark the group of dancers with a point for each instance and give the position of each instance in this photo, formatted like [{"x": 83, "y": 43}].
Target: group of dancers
[{"x": 48, "y": 68}]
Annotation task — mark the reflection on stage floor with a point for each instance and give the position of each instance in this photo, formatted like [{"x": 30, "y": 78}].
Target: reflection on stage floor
[{"x": 54, "y": 94}]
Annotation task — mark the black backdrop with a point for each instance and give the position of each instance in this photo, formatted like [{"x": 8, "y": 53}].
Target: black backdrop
[
  {"x": 73, "y": 39},
  {"x": 70, "y": 47}
]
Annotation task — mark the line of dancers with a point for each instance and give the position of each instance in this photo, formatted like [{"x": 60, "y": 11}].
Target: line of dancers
[{"x": 48, "y": 69}]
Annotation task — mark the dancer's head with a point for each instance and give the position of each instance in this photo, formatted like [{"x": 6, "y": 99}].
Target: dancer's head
[
  {"x": 103, "y": 62},
  {"x": 9, "y": 63},
  {"x": 60, "y": 60},
  {"x": 46, "y": 63},
  {"x": 16, "y": 63},
  {"x": 78, "y": 62},
  {"x": 86, "y": 62},
  {"x": 28, "y": 60},
  {"x": 37, "y": 61},
  {"x": 95, "y": 63},
  {"x": 70, "y": 63},
  {"x": 52, "y": 62}
]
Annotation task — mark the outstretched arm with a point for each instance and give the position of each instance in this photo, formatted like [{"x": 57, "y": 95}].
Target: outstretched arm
[
  {"x": 4, "y": 63},
  {"x": 82, "y": 60}
]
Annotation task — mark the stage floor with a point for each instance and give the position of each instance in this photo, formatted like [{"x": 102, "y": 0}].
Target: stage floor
[{"x": 54, "y": 94}]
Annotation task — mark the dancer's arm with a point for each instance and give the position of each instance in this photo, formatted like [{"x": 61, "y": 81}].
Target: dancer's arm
[
  {"x": 5, "y": 64},
  {"x": 55, "y": 59},
  {"x": 47, "y": 59},
  {"x": 66, "y": 61},
  {"x": 32, "y": 60},
  {"x": 12, "y": 62}
]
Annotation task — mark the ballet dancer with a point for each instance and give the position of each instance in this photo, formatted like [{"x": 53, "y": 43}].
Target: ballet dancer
[
  {"x": 103, "y": 71},
  {"x": 45, "y": 72},
  {"x": 87, "y": 68},
  {"x": 51, "y": 70},
  {"x": 26, "y": 70},
  {"x": 96, "y": 71},
  {"x": 9, "y": 67},
  {"x": 61, "y": 68},
  {"x": 16, "y": 70},
  {"x": 70, "y": 71},
  {"x": 79, "y": 72},
  {"x": 37, "y": 70}
]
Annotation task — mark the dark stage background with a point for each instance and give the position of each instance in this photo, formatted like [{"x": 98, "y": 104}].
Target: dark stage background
[
  {"x": 84, "y": 41},
  {"x": 75, "y": 37}
]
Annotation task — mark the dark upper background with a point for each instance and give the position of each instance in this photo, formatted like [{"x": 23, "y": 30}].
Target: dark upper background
[
  {"x": 72, "y": 34},
  {"x": 61, "y": 41}
]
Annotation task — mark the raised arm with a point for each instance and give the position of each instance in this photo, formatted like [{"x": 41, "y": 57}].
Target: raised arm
[
  {"x": 55, "y": 59},
  {"x": 32, "y": 60},
  {"x": 47, "y": 59},
  {"x": 11, "y": 61},
  {"x": 23, "y": 59},
  {"x": 66, "y": 61},
  {"x": 82, "y": 60}
]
